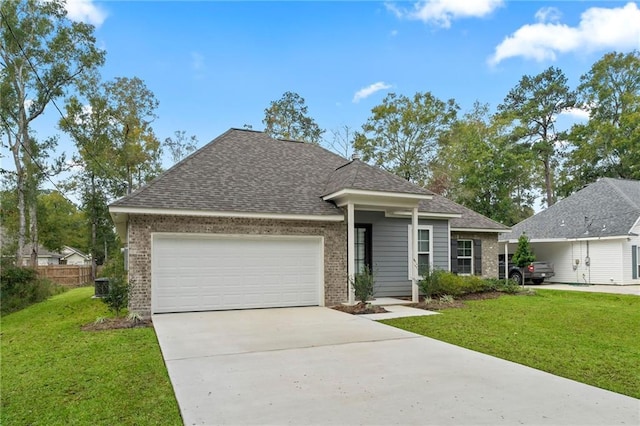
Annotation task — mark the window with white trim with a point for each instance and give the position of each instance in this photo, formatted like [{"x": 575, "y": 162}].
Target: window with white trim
[
  {"x": 465, "y": 257},
  {"x": 425, "y": 248},
  {"x": 638, "y": 261}
]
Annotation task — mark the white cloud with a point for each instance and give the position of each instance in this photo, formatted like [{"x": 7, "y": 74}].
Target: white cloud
[
  {"x": 548, "y": 14},
  {"x": 365, "y": 92},
  {"x": 85, "y": 11},
  {"x": 577, "y": 113},
  {"x": 599, "y": 29},
  {"x": 197, "y": 61},
  {"x": 442, "y": 12},
  {"x": 393, "y": 33}
]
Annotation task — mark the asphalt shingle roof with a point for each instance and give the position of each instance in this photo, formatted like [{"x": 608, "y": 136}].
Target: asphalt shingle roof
[
  {"x": 469, "y": 219},
  {"x": 606, "y": 208},
  {"x": 358, "y": 175},
  {"x": 247, "y": 171},
  {"x": 244, "y": 171}
]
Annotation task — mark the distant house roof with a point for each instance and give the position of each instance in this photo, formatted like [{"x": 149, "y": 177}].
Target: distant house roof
[
  {"x": 42, "y": 252},
  {"x": 245, "y": 171},
  {"x": 70, "y": 251},
  {"x": 606, "y": 208}
]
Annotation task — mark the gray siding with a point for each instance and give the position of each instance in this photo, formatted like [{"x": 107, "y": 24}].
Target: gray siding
[{"x": 390, "y": 250}]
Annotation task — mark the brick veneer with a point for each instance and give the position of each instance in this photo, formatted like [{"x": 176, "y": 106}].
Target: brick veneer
[
  {"x": 142, "y": 226},
  {"x": 490, "y": 250}
]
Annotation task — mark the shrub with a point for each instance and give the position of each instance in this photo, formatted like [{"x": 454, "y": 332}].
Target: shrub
[
  {"x": 438, "y": 283},
  {"x": 20, "y": 287},
  {"x": 118, "y": 296},
  {"x": 429, "y": 285},
  {"x": 363, "y": 285}
]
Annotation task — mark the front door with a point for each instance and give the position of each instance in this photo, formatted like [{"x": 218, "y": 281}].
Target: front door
[{"x": 362, "y": 247}]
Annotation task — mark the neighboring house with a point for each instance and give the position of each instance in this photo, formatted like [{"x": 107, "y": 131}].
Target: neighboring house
[
  {"x": 591, "y": 237},
  {"x": 249, "y": 221},
  {"x": 45, "y": 257},
  {"x": 73, "y": 256}
]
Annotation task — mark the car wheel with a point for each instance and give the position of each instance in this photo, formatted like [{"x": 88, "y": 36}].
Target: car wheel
[
  {"x": 516, "y": 276},
  {"x": 537, "y": 281}
]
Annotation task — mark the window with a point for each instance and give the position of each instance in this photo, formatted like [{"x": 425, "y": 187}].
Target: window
[
  {"x": 425, "y": 247},
  {"x": 362, "y": 243},
  {"x": 465, "y": 257},
  {"x": 638, "y": 259},
  {"x": 424, "y": 251}
]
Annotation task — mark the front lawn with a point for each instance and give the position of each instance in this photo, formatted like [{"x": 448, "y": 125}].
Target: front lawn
[
  {"x": 54, "y": 373},
  {"x": 589, "y": 337}
]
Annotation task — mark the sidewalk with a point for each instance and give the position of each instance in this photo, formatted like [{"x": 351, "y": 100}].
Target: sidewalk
[{"x": 614, "y": 289}]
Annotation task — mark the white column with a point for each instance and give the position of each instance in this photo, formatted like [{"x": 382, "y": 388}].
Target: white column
[
  {"x": 506, "y": 262},
  {"x": 351, "y": 250},
  {"x": 414, "y": 255}
]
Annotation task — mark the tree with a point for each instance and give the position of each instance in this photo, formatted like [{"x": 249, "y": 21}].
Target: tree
[
  {"x": 287, "y": 118},
  {"x": 342, "y": 140},
  {"x": 523, "y": 255},
  {"x": 61, "y": 222},
  {"x": 401, "y": 134},
  {"x": 132, "y": 107},
  {"x": 478, "y": 166},
  {"x": 180, "y": 146},
  {"x": 532, "y": 107},
  {"x": 43, "y": 54},
  {"x": 96, "y": 119},
  {"x": 609, "y": 143}
]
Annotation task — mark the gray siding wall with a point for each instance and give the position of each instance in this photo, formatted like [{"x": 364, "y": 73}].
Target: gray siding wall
[{"x": 390, "y": 250}]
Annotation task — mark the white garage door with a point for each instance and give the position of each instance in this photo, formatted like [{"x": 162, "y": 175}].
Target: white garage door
[{"x": 215, "y": 272}]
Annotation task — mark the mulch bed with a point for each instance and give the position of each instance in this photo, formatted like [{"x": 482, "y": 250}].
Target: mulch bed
[
  {"x": 116, "y": 323},
  {"x": 360, "y": 309},
  {"x": 434, "y": 305}
]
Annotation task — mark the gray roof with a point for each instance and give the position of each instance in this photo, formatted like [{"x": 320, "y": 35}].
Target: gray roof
[
  {"x": 468, "y": 219},
  {"x": 244, "y": 171},
  {"x": 249, "y": 172},
  {"x": 358, "y": 175},
  {"x": 606, "y": 208}
]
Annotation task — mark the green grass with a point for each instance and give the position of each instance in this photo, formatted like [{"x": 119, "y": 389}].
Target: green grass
[
  {"x": 588, "y": 337},
  {"x": 55, "y": 374}
]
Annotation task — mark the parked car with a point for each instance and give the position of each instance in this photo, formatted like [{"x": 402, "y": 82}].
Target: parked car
[{"x": 536, "y": 272}]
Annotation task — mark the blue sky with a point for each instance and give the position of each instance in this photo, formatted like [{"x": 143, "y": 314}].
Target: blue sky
[{"x": 216, "y": 65}]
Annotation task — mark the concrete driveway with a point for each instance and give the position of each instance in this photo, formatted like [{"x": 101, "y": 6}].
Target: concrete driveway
[{"x": 319, "y": 366}]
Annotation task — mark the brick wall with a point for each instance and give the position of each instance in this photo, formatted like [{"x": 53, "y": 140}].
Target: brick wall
[
  {"x": 490, "y": 250},
  {"x": 142, "y": 226}
]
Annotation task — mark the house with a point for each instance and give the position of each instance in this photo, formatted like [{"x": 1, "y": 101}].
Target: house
[
  {"x": 591, "y": 237},
  {"x": 45, "y": 257},
  {"x": 73, "y": 256},
  {"x": 249, "y": 221}
]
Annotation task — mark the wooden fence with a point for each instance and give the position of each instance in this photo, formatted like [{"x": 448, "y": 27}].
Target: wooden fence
[{"x": 66, "y": 275}]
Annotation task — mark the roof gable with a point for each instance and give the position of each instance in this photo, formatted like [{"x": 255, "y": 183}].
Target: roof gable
[
  {"x": 358, "y": 175},
  {"x": 606, "y": 208}
]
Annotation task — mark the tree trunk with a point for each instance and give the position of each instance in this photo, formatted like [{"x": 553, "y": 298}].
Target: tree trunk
[
  {"x": 93, "y": 228},
  {"x": 548, "y": 182},
  {"x": 22, "y": 222},
  {"x": 33, "y": 224}
]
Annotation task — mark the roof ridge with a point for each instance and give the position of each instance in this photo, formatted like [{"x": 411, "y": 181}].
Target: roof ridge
[
  {"x": 610, "y": 182},
  {"x": 355, "y": 177}
]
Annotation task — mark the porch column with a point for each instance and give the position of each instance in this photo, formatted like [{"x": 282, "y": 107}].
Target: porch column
[
  {"x": 506, "y": 262},
  {"x": 351, "y": 250},
  {"x": 414, "y": 255}
]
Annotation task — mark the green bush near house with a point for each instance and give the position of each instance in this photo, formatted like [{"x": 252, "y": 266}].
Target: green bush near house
[
  {"x": 21, "y": 287},
  {"x": 438, "y": 283},
  {"x": 363, "y": 285}
]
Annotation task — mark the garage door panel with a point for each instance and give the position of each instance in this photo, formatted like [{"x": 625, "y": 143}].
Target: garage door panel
[{"x": 196, "y": 273}]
